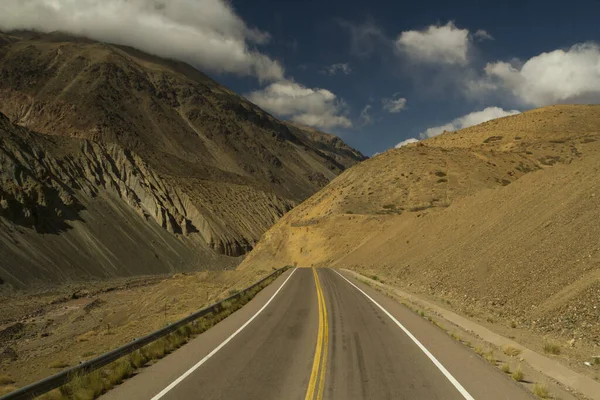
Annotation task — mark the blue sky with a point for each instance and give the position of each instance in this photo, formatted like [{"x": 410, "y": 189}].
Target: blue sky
[
  {"x": 321, "y": 34},
  {"x": 374, "y": 72}
]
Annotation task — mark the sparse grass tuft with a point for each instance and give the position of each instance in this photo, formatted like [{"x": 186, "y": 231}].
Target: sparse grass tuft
[
  {"x": 137, "y": 359},
  {"x": 422, "y": 313},
  {"x": 88, "y": 354},
  {"x": 6, "y": 390},
  {"x": 551, "y": 348},
  {"x": 84, "y": 387},
  {"x": 510, "y": 350},
  {"x": 118, "y": 371},
  {"x": 478, "y": 350},
  {"x": 518, "y": 375},
  {"x": 58, "y": 364},
  {"x": 6, "y": 380},
  {"x": 541, "y": 390},
  {"x": 489, "y": 357},
  {"x": 505, "y": 368}
]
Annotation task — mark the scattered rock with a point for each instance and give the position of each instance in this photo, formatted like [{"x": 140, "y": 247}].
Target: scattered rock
[
  {"x": 80, "y": 293},
  {"x": 11, "y": 332}
]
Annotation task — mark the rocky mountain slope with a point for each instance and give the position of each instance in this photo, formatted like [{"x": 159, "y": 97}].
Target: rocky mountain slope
[
  {"x": 499, "y": 219},
  {"x": 150, "y": 150}
]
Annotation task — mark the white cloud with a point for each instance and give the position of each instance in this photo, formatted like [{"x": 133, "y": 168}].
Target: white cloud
[
  {"x": 365, "y": 118},
  {"x": 314, "y": 107},
  {"x": 438, "y": 44},
  {"x": 474, "y": 118},
  {"x": 481, "y": 35},
  {"x": 393, "y": 105},
  {"x": 342, "y": 68},
  {"x": 556, "y": 77},
  {"x": 205, "y": 33},
  {"x": 405, "y": 142}
]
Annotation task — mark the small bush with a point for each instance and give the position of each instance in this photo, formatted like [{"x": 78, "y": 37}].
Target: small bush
[
  {"x": 6, "y": 380},
  {"x": 510, "y": 350},
  {"x": 233, "y": 291},
  {"x": 155, "y": 350},
  {"x": 518, "y": 375},
  {"x": 513, "y": 324},
  {"x": 551, "y": 348},
  {"x": 541, "y": 390},
  {"x": 137, "y": 359},
  {"x": 440, "y": 173},
  {"x": 118, "y": 371},
  {"x": 505, "y": 368},
  {"x": 422, "y": 313},
  {"x": 58, "y": 364},
  {"x": 84, "y": 387},
  {"x": 442, "y": 180},
  {"x": 375, "y": 277}
]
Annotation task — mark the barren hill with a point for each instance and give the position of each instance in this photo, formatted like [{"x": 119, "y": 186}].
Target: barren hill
[
  {"x": 500, "y": 218},
  {"x": 158, "y": 142}
]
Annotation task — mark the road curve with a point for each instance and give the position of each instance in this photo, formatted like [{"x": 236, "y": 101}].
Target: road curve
[{"x": 317, "y": 334}]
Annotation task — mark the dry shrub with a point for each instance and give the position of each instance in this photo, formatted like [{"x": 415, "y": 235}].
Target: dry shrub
[
  {"x": 6, "y": 380},
  {"x": 518, "y": 375},
  {"x": 511, "y": 350},
  {"x": 541, "y": 390},
  {"x": 58, "y": 364},
  {"x": 551, "y": 348}
]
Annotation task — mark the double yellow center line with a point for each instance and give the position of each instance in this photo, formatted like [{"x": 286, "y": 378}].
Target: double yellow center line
[{"x": 316, "y": 384}]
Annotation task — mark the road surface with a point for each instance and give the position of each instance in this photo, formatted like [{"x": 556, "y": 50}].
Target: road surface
[{"x": 318, "y": 334}]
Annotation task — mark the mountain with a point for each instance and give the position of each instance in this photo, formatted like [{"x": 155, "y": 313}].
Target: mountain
[
  {"x": 500, "y": 219},
  {"x": 98, "y": 132}
]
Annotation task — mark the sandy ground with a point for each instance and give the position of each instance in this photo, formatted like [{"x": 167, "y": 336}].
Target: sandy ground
[{"x": 44, "y": 332}]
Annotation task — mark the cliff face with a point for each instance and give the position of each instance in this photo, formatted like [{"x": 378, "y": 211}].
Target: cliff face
[{"x": 155, "y": 136}]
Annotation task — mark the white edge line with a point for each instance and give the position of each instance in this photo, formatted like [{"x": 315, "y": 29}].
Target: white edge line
[
  {"x": 219, "y": 347},
  {"x": 438, "y": 364}
]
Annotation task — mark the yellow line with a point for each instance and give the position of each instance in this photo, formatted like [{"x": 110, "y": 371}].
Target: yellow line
[
  {"x": 312, "y": 383},
  {"x": 325, "y": 342}
]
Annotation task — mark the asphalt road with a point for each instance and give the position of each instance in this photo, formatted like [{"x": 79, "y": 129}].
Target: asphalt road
[{"x": 315, "y": 334}]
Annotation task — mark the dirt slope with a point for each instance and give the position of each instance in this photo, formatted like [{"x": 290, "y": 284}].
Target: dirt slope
[
  {"x": 147, "y": 139},
  {"x": 501, "y": 219}
]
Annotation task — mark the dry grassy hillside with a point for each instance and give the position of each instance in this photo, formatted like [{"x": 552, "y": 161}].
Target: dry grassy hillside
[{"x": 501, "y": 219}]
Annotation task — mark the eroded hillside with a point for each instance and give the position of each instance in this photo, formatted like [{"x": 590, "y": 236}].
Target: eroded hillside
[
  {"x": 500, "y": 219},
  {"x": 143, "y": 138}
]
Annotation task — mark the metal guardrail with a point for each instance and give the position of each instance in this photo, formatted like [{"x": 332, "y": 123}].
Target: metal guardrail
[{"x": 52, "y": 382}]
